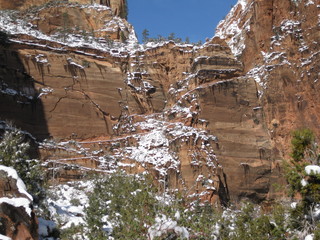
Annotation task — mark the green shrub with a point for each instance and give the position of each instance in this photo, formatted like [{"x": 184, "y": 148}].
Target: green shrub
[
  {"x": 301, "y": 140},
  {"x": 72, "y": 233},
  {"x": 124, "y": 11},
  {"x": 317, "y": 232},
  {"x": 14, "y": 153},
  {"x": 128, "y": 202},
  {"x": 304, "y": 152},
  {"x": 250, "y": 223}
]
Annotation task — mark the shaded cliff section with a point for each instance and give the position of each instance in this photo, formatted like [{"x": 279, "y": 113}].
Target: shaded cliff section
[
  {"x": 64, "y": 98},
  {"x": 20, "y": 105}
]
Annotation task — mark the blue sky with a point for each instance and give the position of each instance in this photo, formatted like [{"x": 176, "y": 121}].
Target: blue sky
[{"x": 196, "y": 19}]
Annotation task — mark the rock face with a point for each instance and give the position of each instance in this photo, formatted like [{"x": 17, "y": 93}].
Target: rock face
[
  {"x": 74, "y": 18},
  {"x": 277, "y": 42},
  {"x": 17, "y": 219},
  {"x": 213, "y": 121},
  {"x": 119, "y": 7}
]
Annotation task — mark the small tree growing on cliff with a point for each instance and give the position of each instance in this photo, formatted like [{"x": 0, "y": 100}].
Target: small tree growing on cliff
[
  {"x": 304, "y": 152},
  {"x": 302, "y": 142},
  {"x": 172, "y": 36},
  {"x": 65, "y": 28},
  {"x": 124, "y": 11},
  {"x": 145, "y": 35},
  {"x": 14, "y": 153}
]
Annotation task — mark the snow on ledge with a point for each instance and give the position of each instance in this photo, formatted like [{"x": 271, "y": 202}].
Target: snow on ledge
[
  {"x": 20, "y": 184},
  {"x": 18, "y": 202},
  {"x": 243, "y": 4},
  {"x": 3, "y": 237},
  {"x": 312, "y": 169}
]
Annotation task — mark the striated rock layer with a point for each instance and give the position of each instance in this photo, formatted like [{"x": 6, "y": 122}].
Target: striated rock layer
[
  {"x": 213, "y": 121},
  {"x": 119, "y": 7}
]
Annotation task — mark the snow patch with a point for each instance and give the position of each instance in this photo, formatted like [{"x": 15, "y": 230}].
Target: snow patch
[
  {"x": 2, "y": 237},
  {"x": 312, "y": 169},
  {"x": 230, "y": 29},
  {"x": 163, "y": 225},
  {"x": 18, "y": 202},
  {"x": 71, "y": 62},
  {"x": 24, "y": 202},
  {"x": 310, "y": 2},
  {"x": 67, "y": 202},
  {"x": 243, "y": 4},
  {"x": 45, "y": 91},
  {"x": 309, "y": 237},
  {"x": 304, "y": 182}
]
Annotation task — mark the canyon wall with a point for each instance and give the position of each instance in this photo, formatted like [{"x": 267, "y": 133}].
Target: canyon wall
[
  {"x": 278, "y": 43},
  {"x": 119, "y": 7},
  {"x": 213, "y": 121}
]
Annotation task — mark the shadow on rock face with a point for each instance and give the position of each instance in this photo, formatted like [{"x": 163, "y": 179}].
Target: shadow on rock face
[{"x": 19, "y": 100}]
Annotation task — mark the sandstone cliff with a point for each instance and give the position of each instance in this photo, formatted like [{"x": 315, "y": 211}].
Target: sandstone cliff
[
  {"x": 118, "y": 7},
  {"x": 213, "y": 120},
  {"x": 278, "y": 43}
]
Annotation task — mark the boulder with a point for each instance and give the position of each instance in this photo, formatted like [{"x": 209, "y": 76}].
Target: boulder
[{"x": 17, "y": 218}]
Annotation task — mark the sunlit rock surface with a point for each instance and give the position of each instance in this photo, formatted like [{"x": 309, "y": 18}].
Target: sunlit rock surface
[{"x": 214, "y": 120}]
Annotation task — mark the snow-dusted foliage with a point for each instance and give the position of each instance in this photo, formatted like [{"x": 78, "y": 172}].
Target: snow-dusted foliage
[
  {"x": 163, "y": 225},
  {"x": 66, "y": 204},
  {"x": 14, "y": 153}
]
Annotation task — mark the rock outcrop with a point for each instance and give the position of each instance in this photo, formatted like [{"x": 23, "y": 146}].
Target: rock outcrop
[
  {"x": 119, "y": 7},
  {"x": 213, "y": 121},
  {"x": 17, "y": 219}
]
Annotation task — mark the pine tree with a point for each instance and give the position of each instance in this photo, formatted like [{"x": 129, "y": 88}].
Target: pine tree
[
  {"x": 145, "y": 35},
  {"x": 128, "y": 202},
  {"x": 124, "y": 10},
  {"x": 304, "y": 152},
  {"x": 172, "y": 36}
]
